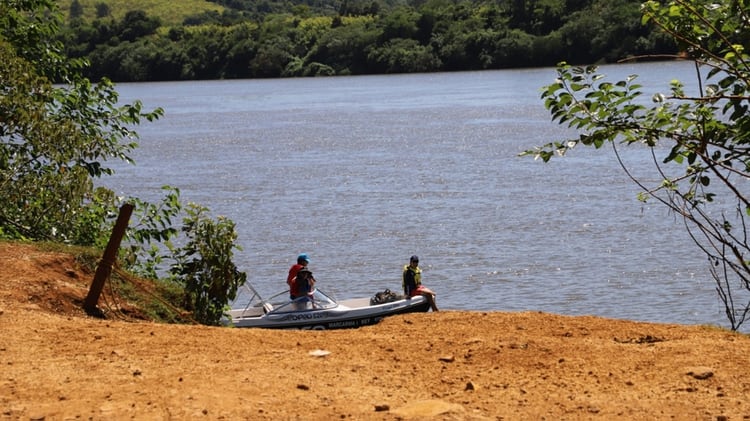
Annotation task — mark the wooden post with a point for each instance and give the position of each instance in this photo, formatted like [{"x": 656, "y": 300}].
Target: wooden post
[{"x": 104, "y": 269}]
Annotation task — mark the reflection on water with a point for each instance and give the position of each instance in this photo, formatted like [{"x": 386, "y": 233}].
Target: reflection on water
[{"x": 362, "y": 172}]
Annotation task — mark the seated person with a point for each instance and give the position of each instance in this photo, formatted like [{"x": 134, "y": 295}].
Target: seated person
[{"x": 413, "y": 283}]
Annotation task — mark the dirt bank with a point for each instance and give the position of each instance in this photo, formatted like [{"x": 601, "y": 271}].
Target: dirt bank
[{"x": 56, "y": 363}]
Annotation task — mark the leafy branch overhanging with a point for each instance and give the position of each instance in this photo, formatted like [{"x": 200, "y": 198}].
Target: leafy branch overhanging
[{"x": 699, "y": 144}]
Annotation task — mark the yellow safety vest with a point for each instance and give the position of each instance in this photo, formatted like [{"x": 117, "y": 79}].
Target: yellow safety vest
[{"x": 417, "y": 275}]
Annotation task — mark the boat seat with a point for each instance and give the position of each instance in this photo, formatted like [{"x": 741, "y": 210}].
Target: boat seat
[{"x": 267, "y": 307}]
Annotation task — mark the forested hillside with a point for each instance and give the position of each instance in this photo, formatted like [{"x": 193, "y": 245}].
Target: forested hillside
[{"x": 143, "y": 41}]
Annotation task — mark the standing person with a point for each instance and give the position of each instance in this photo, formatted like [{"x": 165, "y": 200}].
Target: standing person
[
  {"x": 302, "y": 261},
  {"x": 413, "y": 282}
]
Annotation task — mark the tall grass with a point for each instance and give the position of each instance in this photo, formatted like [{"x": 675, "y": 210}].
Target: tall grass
[{"x": 171, "y": 13}]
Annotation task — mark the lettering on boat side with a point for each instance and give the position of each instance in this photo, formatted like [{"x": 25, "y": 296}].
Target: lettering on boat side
[
  {"x": 304, "y": 316},
  {"x": 350, "y": 323}
]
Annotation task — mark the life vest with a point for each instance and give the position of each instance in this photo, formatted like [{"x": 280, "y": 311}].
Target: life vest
[
  {"x": 303, "y": 283},
  {"x": 417, "y": 275}
]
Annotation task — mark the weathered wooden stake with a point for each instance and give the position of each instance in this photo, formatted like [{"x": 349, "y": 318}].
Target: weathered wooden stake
[{"x": 104, "y": 269}]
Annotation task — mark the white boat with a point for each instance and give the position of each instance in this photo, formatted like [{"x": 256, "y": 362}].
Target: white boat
[{"x": 319, "y": 311}]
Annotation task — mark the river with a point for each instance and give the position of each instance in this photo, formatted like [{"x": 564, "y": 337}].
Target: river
[{"x": 363, "y": 172}]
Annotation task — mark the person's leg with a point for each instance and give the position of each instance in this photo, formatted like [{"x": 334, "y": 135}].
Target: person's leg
[{"x": 430, "y": 296}]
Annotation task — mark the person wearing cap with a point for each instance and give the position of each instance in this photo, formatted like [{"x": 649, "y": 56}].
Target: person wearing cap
[
  {"x": 302, "y": 261},
  {"x": 413, "y": 283}
]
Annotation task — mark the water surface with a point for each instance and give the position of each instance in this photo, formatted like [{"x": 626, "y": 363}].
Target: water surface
[{"x": 362, "y": 172}]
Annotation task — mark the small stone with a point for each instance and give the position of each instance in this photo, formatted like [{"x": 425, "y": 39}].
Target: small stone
[
  {"x": 470, "y": 386},
  {"x": 701, "y": 374},
  {"x": 382, "y": 408},
  {"x": 303, "y": 387},
  {"x": 447, "y": 358}
]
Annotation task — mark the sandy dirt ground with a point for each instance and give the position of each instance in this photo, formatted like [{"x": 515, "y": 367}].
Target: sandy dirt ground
[{"x": 56, "y": 363}]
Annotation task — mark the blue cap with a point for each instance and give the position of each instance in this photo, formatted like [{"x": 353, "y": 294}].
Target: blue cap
[{"x": 304, "y": 257}]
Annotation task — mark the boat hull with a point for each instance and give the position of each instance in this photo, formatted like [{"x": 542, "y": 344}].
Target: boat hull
[{"x": 345, "y": 315}]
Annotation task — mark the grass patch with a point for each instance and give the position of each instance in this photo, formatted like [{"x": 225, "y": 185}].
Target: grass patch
[
  {"x": 124, "y": 294},
  {"x": 148, "y": 299},
  {"x": 170, "y": 13}
]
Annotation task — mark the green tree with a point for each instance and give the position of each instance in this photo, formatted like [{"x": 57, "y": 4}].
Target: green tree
[
  {"x": 76, "y": 9},
  {"x": 137, "y": 24},
  {"x": 578, "y": 33},
  {"x": 103, "y": 10},
  {"x": 546, "y": 16},
  {"x": 55, "y": 139},
  {"x": 273, "y": 56},
  {"x": 700, "y": 145},
  {"x": 204, "y": 265},
  {"x": 400, "y": 23},
  {"x": 403, "y": 56},
  {"x": 345, "y": 48}
]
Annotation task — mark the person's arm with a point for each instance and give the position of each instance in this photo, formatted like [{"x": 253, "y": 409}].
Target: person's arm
[
  {"x": 292, "y": 274},
  {"x": 408, "y": 282}
]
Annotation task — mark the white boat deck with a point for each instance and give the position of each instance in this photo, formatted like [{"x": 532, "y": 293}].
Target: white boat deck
[{"x": 355, "y": 302}]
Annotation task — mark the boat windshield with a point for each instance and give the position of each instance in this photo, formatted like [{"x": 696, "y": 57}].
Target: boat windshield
[{"x": 317, "y": 300}]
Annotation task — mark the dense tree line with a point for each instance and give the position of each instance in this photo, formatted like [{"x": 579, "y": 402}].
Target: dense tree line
[{"x": 251, "y": 40}]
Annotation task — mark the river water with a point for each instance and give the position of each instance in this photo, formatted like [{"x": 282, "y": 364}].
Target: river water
[{"x": 363, "y": 172}]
